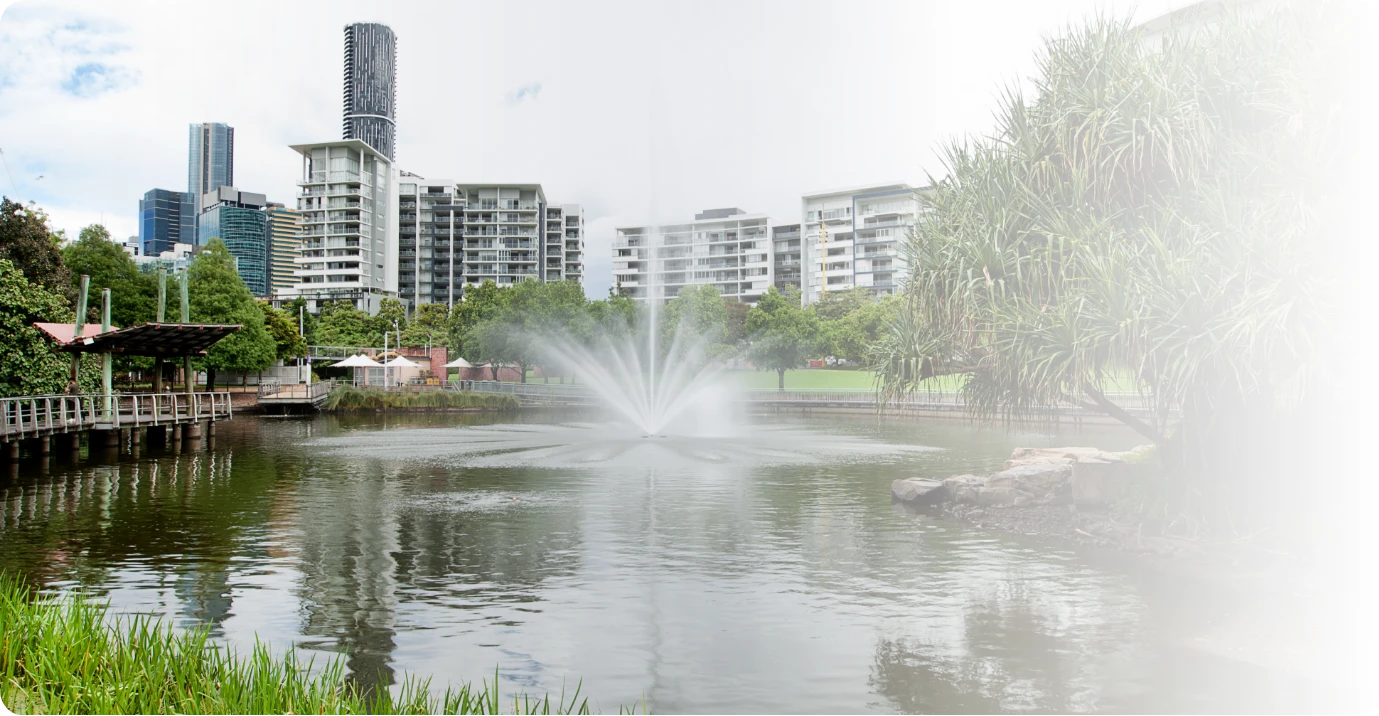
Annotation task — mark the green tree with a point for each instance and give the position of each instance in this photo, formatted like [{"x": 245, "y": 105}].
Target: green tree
[
  {"x": 341, "y": 324},
  {"x": 480, "y": 304},
  {"x": 218, "y": 295},
  {"x": 618, "y": 312},
  {"x": 296, "y": 309},
  {"x": 783, "y": 335},
  {"x": 32, "y": 364},
  {"x": 391, "y": 319},
  {"x": 428, "y": 325},
  {"x": 1155, "y": 215},
  {"x": 32, "y": 248},
  {"x": 282, "y": 326},
  {"x": 133, "y": 294},
  {"x": 850, "y": 333}
]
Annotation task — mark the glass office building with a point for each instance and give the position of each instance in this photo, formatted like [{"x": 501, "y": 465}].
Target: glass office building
[
  {"x": 237, "y": 218},
  {"x": 165, "y": 218},
  {"x": 210, "y": 163}
]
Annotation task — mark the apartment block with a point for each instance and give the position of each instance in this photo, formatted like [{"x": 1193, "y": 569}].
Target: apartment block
[
  {"x": 348, "y": 226},
  {"x": 237, "y": 218},
  {"x": 851, "y": 237},
  {"x": 451, "y": 235},
  {"x": 785, "y": 257},
  {"x": 726, "y": 248},
  {"x": 284, "y": 246}
]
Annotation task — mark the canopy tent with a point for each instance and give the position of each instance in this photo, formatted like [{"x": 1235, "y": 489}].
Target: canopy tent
[
  {"x": 459, "y": 363},
  {"x": 359, "y": 361}
]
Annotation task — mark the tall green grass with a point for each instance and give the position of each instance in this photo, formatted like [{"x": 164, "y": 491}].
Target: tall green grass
[
  {"x": 350, "y": 398},
  {"x": 66, "y": 655}
]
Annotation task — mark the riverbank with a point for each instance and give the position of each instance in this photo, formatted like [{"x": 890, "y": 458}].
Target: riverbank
[
  {"x": 68, "y": 655},
  {"x": 349, "y": 399}
]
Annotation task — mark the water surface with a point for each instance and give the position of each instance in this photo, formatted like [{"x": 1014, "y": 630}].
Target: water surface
[{"x": 760, "y": 569}]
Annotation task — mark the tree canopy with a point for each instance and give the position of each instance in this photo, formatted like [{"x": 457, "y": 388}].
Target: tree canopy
[
  {"x": 218, "y": 295},
  {"x": 783, "y": 335},
  {"x": 1144, "y": 218},
  {"x": 31, "y": 364},
  {"x": 133, "y": 294},
  {"x": 31, "y": 247}
]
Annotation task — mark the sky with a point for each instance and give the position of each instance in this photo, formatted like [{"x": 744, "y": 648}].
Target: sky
[{"x": 640, "y": 111}]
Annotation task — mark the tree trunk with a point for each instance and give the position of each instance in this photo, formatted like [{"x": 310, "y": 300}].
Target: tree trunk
[
  {"x": 780, "y": 379},
  {"x": 493, "y": 368},
  {"x": 523, "y": 368},
  {"x": 1102, "y": 404},
  {"x": 210, "y": 379}
]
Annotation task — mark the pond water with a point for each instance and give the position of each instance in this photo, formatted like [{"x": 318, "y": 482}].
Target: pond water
[{"x": 764, "y": 569}]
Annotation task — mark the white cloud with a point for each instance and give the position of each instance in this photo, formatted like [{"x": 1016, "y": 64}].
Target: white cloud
[{"x": 637, "y": 110}]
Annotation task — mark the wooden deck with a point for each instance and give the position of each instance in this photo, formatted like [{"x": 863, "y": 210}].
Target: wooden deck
[{"x": 40, "y": 416}]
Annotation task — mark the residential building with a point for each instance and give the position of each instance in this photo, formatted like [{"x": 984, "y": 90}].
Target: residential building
[
  {"x": 452, "y": 234},
  {"x": 851, "y": 237},
  {"x": 785, "y": 255},
  {"x": 164, "y": 220},
  {"x": 210, "y": 165},
  {"x": 562, "y": 254},
  {"x": 726, "y": 248},
  {"x": 237, "y": 218},
  {"x": 349, "y": 225},
  {"x": 284, "y": 246},
  {"x": 131, "y": 246},
  {"x": 370, "y": 88}
]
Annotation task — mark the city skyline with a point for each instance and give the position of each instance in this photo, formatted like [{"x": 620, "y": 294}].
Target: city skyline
[{"x": 574, "y": 114}]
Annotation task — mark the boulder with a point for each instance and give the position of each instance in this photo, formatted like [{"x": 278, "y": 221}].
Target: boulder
[
  {"x": 919, "y": 491},
  {"x": 998, "y": 495},
  {"x": 1098, "y": 483},
  {"x": 963, "y": 488},
  {"x": 1038, "y": 478},
  {"x": 1064, "y": 455}
]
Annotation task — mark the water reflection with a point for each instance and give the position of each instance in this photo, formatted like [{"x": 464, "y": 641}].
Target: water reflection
[{"x": 762, "y": 572}]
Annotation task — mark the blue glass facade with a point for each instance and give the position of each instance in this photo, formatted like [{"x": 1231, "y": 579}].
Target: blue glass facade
[
  {"x": 245, "y": 233},
  {"x": 165, "y": 218},
  {"x": 210, "y": 164}
]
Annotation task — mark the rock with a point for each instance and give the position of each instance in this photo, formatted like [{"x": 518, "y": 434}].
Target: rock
[
  {"x": 919, "y": 491},
  {"x": 963, "y": 488},
  {"x": 988, "y": 496},
  {"x": 1097, "y": 483},
  {"x": 1039, "y": 478},
  {"x": 1066, "y": 455}
]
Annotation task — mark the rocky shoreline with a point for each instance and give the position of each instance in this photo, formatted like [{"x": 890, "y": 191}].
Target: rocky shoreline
[{"x": 1063, "y": 494}]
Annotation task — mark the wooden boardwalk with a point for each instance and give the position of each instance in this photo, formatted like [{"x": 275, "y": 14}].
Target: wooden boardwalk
[{"x": 42, "y": 416}]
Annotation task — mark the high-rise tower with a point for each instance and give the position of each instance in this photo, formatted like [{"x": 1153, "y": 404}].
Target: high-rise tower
[
  {"x": 210, "y": 165},
  {"x": 371, "y": 86}
]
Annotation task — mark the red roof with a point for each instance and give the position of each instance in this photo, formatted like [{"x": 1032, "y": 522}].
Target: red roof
[{"x": 62, "y": 332}]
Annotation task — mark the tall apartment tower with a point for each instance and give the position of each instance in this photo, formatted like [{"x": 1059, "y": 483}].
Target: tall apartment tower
[
  {"x": 349, "y": 225},
  {"x": 852, "y": 238},
  {"x": 726, "y": 248},
  {"x": 284, "y": 245},
  {"x": 210, "y": 165},
  {"x": 785, "y": 254},
  {"x": 451, "y": 235},
  {"x": 371, "y": 86}
]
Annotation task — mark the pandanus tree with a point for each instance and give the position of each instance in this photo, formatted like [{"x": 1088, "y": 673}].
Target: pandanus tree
[{"x": 1153, "y": 219}]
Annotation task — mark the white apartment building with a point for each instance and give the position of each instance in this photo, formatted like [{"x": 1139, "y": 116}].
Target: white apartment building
[
  {"x": 851, "y": 237},
  {"x": 349, "y": 226},
  {"x": 452, "y": 234},
  {"x": 726, "y": 248}
]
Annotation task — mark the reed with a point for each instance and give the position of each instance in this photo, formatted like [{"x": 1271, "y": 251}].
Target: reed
[
  {"x": 69, "y": 655},
  {"x": 346, "y": 399}
]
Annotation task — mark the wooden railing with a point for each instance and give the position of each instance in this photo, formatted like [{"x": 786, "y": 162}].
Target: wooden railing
[{"x": 39, "y": 415}]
